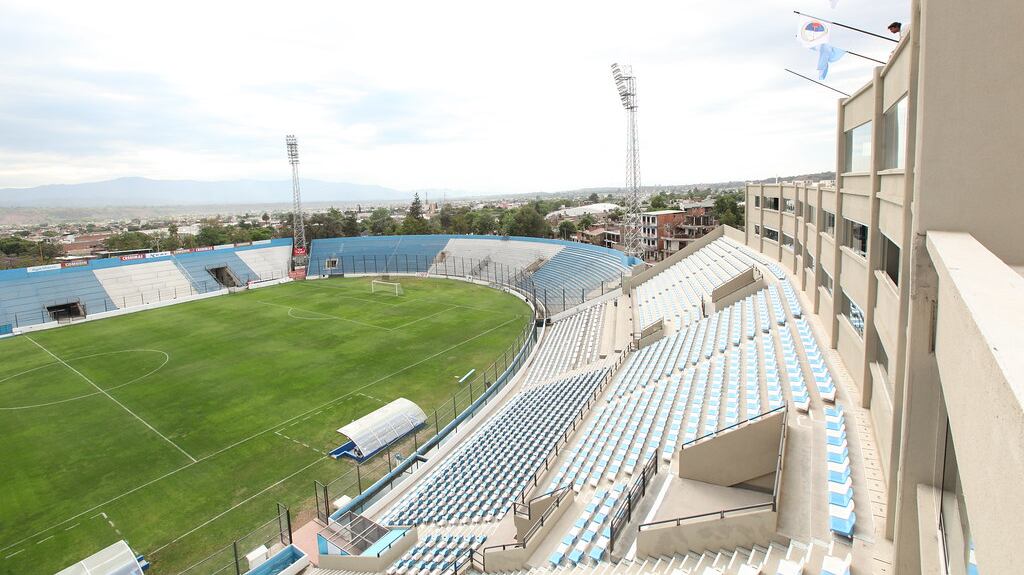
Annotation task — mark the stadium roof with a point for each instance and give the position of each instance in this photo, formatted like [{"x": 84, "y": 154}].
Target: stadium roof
[
  {"x": 118, "y": 559},
  {"x": 379, "y": 428}
]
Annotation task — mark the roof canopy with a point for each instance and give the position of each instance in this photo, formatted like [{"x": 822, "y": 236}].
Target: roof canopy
[
  {"x": 379, "y": 428},
  {"x": 118, "y": 559}
]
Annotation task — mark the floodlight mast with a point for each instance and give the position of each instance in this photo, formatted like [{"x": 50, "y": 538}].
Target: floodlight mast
[
  {"x": 632, "y": 238},
  {"x": 298, "y": 225}
]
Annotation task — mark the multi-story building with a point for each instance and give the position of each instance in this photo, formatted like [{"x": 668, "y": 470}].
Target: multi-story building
[
  {"x": 656, "y": 228},
  {"x": 698, "y": 221},
  {"x": 912, "y": 260}
]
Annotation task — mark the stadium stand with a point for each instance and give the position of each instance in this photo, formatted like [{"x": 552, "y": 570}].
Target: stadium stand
[
  {"x": 676, "y": 293},
  {"x": 561, "y": 274},
  {"x": 27, "y": 295},
  {"x": 480, "y": 481},
  {"x": 570, "y": 343},
  {"x": 436, "y": 554},
  {"x": 144, "y": 283}
]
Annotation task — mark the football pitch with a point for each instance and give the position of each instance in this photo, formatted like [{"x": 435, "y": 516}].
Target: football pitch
[{"x": 179, "y": 429}]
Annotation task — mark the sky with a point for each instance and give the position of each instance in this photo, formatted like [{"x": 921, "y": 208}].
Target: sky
[{"x": 480, "y": 97}]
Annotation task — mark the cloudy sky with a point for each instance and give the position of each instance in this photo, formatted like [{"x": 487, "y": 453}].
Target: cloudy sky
[{"x": 476, "y": 96}]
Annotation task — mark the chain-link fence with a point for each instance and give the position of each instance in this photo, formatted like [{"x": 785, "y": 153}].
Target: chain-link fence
[
  {"x": 100, "y": 301},
  {"x": 553, "y": 300},
  {"x": 441, "y": 423}
]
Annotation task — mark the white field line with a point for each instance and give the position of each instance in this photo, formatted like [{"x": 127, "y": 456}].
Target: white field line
[
  {"x": 408, "y": 323},
  {"x": 280, "y": 425},
  {"x": 289, "y": 307},
  {"x": 167, "y": 358},
  {"x": 111, "y": 398},
  {"x": 235, "y": 506}
]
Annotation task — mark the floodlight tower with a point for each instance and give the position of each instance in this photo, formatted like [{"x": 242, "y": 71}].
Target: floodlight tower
[
  {"x": 298, "y": 226},
  {"x": 632, "y": 238}
]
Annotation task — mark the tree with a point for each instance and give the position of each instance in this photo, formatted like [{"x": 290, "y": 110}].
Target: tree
[
  {"x": 350, "y": 227},
  {"x": 728, "y": 211},
  {"x": 594, "y": 198},
  {"x": 485, "y": 223},
  {"x": 446, "y": 218},
  {"x": 414, "y": 222},
  {"x": 265, "y": 217},
  {"x": 566, "y": 229},
  {"x": 586, "y": 221},
  {"x": 380, "y": 222},
  {"x": 172, "y": 229},
  {"x": 526, "y": 221},
  {"x": 659, "y": 202},
  {"x": 128, "y": 241}
]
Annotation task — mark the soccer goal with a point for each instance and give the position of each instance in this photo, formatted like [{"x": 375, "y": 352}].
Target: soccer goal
[{"x": 386, "y": 287}]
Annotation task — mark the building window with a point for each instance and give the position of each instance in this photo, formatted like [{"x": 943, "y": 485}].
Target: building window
[
  {"x": 787, "y": 241},
  {"x": 757, "y": 230},
  {"x": 891, "y": 259},
  {"x": 853, "y": 313},
  {"x": 894, "y": 136},
  {"x": 757, "y": 201},
  {"x": 331, "y": 263},
  {"x": 954, "y": 523},
  {"x": 829, "y": 223},
  {"x": 809, "y": 261},
  {"x": 771, "y": 234},
  {"x": 826, "y": 280},
  {"x": 809, "y": 213},
  {"x": 858, "y": 149},
  {"x": 855, "y": 237},
  {"x": 771, "y": 204},
  {"x": 788, "y": 206}
]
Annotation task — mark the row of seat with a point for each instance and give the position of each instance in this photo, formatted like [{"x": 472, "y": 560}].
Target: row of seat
[
  {"x": 842, "y": 517},
  {"x": 676, "y": 293},
  {"x": 569, "y": 343},
  {"x": 590, "y": 535},
  {"x": 436, "y": 554},
  {"x": 479, "y": 482}
]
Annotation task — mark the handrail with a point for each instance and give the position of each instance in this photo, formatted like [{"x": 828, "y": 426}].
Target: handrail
[
  {"x": 773, "y": 504},
  {"x": 733, "y": 426},
  {"x": 396, "y": 540},
  {"x": 555, "y": 504},
  {"x": 721, "y": 514},
  {"x": 624, "y": 514}
]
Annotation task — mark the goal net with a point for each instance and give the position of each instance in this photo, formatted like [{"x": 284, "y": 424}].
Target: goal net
[{"x": 386, "y": 287}]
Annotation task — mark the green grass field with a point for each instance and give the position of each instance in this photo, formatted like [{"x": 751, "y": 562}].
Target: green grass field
[{"x": 179, "y": 428}]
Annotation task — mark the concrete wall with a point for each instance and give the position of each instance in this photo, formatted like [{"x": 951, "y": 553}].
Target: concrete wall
[
  {"x": 370, "y": 564},
  {"x": 741, "y": 529},
  {"x": 980, "y": 357},
  {"x": 515, "y": 558},
  {"x": 741, "y": 454},
  {"x": 630, "y": 283}
]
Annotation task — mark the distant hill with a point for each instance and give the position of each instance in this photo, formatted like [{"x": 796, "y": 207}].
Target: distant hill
[{"x": 124, "y": 192}]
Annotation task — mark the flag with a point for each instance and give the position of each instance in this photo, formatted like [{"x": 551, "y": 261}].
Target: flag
[
  {"x": 812, "y": 32},
  {"x": 827, "y": 54}
]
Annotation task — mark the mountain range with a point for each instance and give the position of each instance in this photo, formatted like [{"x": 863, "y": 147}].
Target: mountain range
[{"x": 148, "y": 192}]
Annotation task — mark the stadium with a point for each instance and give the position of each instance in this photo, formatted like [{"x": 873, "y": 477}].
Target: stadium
[{"x": 834, "y": 389}]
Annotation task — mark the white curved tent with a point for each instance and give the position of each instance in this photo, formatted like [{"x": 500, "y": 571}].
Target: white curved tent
[{"x": 379, "y": 428}]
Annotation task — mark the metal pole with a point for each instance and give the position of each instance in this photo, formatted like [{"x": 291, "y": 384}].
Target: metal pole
[
  {"x": 816, "y": 82},
  {"x": 359, "y": 477}
]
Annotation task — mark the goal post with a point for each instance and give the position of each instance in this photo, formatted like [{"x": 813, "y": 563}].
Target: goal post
[{"x": 386, "y": 287}]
